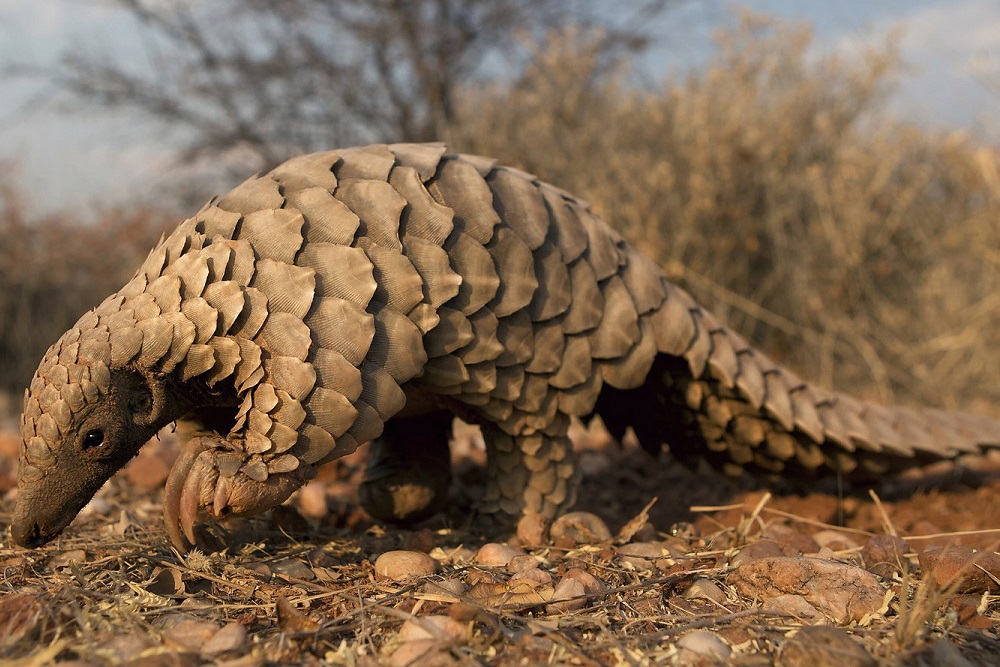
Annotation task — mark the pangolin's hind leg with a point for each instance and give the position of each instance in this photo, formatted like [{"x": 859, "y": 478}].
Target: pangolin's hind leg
[
  {"x": 409, "y": 469},
  {"x": 528, "y": 474}
]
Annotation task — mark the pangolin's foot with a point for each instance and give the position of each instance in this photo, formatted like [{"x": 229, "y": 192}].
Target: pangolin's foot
[
  {"x": 207, "y": 481},
  {"x": 409, "y": 470}
]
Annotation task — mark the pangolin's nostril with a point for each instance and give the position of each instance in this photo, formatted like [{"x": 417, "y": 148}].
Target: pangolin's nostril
[{"x": 31, "y": 536}]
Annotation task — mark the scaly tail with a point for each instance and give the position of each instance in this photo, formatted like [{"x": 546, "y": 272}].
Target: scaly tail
[{"x": 710, "y": 395}]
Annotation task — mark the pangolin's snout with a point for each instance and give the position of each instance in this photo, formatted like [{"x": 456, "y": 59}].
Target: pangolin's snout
[{"x": 29, "y": 534}]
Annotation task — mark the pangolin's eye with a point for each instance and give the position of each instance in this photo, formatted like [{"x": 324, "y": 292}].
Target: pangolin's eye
[{"x": 93, "y": 438}]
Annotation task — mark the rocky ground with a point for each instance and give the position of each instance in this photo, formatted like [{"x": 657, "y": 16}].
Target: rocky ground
[{"x": 660, "y": 565}]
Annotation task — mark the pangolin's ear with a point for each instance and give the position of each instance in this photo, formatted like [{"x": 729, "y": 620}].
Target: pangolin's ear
[{"x": 145, "y": 401}]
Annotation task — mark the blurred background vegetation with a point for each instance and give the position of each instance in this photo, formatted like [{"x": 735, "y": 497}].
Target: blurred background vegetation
[{"x": 774, "y": 185}]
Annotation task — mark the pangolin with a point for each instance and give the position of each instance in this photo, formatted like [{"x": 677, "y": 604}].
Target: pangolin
[{"x": 372, "y": 293}]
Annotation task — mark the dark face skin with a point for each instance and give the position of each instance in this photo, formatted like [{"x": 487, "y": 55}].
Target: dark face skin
[{"x": 100, "y": 440}]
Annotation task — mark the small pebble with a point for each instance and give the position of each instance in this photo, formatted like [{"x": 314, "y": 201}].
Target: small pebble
[
  {"x": 568, "y": 596},
  {"x": 824, "y": 645},
  {"x": 124, "y": 647},
  {"x": 834, "y": 540},
  {"x": 494, "y": 554},
  {"x": 591, "y": 584},
  {"x": 967, "y": 609},
  {"x": 232, "y": 640},
  {"x": 704, "y": 643},
  {"x": 636, "y": 563},
  {"x": 294, "y": 568},
  {"x": 439, "y": 628},
  {"x": 885, "y": 555},
  {"x": 576, "y": 528},
  {"x": 705, "y": 589},
  {"x": 790, "y": 537},
  {"x": 534, "y": 575},
  {"x": 962, "y": 568},
  {"x": 532, "y": 530},
  {"x": 261, "y": 569},
  {"x": 422, "y": 652},
  {"x": 642, "y": 555},
  {"x": 522, "y": 562},
  {"x": 402, "y": 565},
  {"x": 190, "y": 634}
]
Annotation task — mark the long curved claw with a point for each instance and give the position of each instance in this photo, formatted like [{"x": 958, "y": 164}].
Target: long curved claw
[
  {"x": 189, "y": 501},
  {"x": 196, "y": 487},
  {"x": 173, "y": 490},
  {"x": 222, "y": 492}
]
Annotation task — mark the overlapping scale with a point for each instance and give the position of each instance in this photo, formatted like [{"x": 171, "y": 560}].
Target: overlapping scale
[
  {"x": 340, "y": 325},
  {"x": 459, "y": 186},
  {"x": 422, "y": 158},
  {"x": 307, "y": 171},
  {"x": 474, "y": 264},
  {"x": 341, "y": 271},
  {"x": 514, "y": 266},
  {"x": 288, "y": 288},
  {"x": 377, "y": 205},
  {"x": 327, "y": 219},
  {"x": 254, "y": 194},
  {"x": 372, "y": 163},
  {"x": 273, "y": 234},
  {"x": 424, "y": 218}
]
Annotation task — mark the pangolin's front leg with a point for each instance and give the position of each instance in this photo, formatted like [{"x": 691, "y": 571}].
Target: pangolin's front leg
[{"x": 207, "y": 481}]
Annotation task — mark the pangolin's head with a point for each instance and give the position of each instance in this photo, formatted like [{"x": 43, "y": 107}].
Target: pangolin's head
[{"x": 82, "y": 421}]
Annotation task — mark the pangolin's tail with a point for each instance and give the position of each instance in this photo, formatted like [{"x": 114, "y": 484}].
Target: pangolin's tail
[{"x": 714, "y": 397}]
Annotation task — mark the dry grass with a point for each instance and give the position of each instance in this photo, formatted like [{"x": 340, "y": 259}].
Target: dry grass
[{"x": 112, "y": 589}]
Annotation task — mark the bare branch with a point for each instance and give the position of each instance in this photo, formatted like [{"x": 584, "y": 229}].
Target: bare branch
[{"x": 276, "y": 77}]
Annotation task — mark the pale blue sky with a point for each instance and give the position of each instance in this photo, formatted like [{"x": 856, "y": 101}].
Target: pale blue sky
[{"x": 66, "y": 160}]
